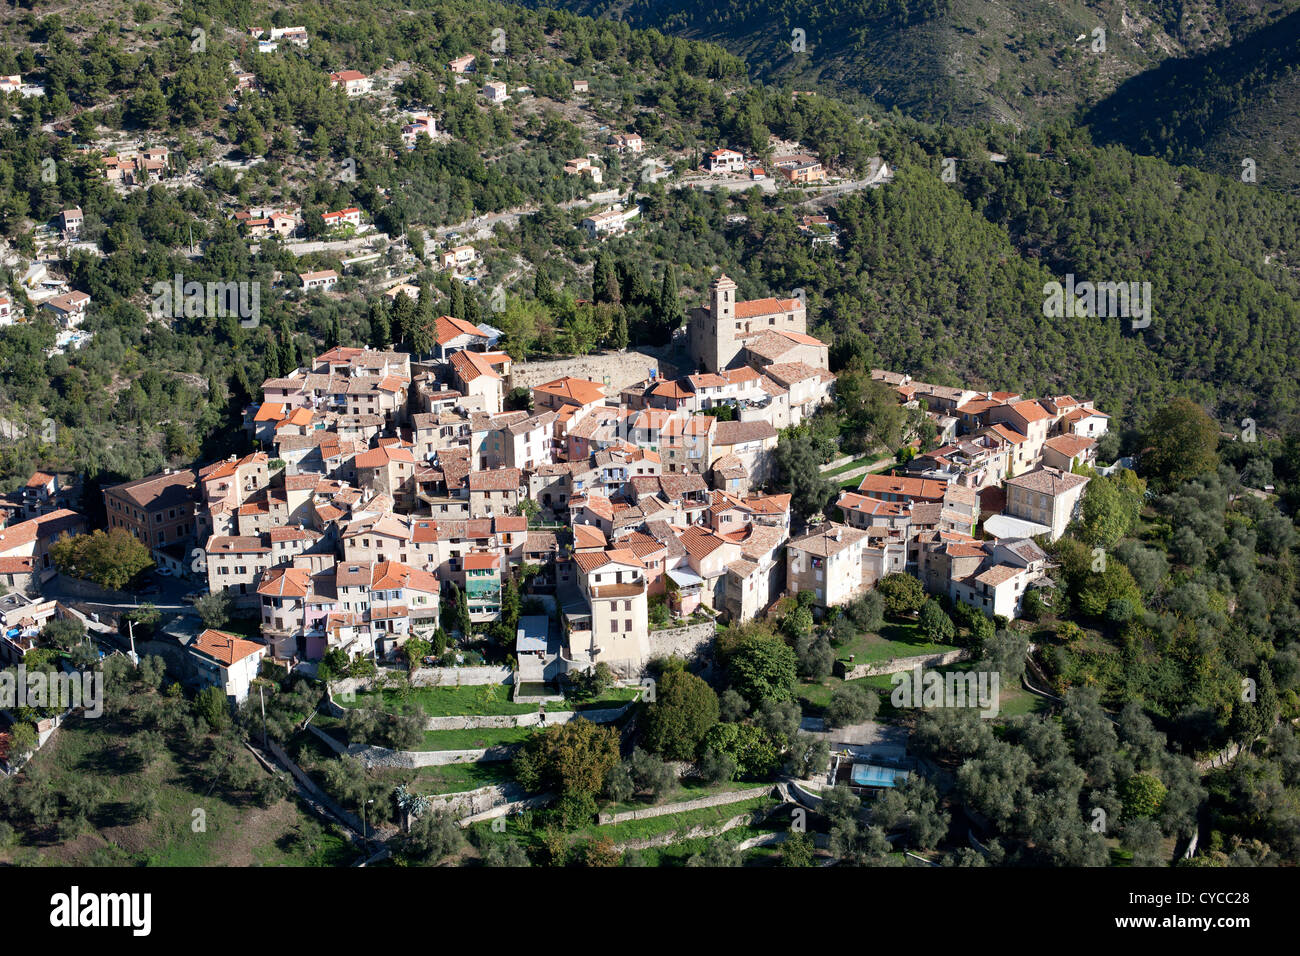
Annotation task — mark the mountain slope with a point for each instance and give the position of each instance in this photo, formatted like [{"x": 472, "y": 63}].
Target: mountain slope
[
  {"x": 1217, "y": 109},
  {"x": 956, "y": 60}
]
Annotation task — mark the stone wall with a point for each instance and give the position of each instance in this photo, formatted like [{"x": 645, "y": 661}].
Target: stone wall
[
  {"x": 664, "y": 839},
  {"x": 471, "y": 802},
  {"x": 684, "y": 642},
  {"x": 484, "y": 721},
  {"x": 900, "y": 664},
  {"x": 432, "y": 677},
  {"x": 621, "y": 368},
  {"x": 411, "y": 759},
  {"x": 470, "y": 722},
  {"x": 513, "y": 806},
  {"x": 89, "y": 590},
  {"x": 684, "y": 806}
]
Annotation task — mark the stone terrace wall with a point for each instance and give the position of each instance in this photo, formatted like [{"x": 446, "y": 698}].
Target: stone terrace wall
[
  {"x": 900, "y": 664},
  {"x": 432, "y": 677},
  {"x": 684, "y": 806},
  {"x": 682, "y": 641},
  {"x": 622, "y": 369},
  {"x": 383, "y": 757},
  {"x": 471, "y": 722}
]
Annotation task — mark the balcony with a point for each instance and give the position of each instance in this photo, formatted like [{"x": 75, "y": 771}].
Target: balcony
[{"x": 603, "y": 591}]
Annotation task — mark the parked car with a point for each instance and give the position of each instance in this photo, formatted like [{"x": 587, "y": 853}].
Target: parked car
[
  {"x": 164, "y": 572},
  {"x": 192, "y": 596},
  {"x": 149, "y": 589}
]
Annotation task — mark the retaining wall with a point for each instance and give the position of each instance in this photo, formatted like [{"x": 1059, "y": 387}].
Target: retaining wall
[
  {"x": 685, "y": 642},
  {"x": 900, "y": 664},
  {"x": 684, "y": 806},
  {"x": 621, "y": 368}
]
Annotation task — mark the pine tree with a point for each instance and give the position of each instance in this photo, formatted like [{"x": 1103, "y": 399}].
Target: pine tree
[
  {"x": 403, "y": 313},
  {"x": 273, "y": 359},
  {"x": 635, "y": 283},
  {"x": 542, "y": 288},
  {"x": 604, "y": 282},
  {"x": 380, "y": 329},
  {"x": 216, "y": 394},
  {"x": 668, "y": 310},
  {"x": 619, "y": 339},
  {"x": 457, "y": 307}
]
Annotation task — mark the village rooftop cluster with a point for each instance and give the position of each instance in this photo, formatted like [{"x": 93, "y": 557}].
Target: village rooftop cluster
[{"x": 387, "y": 485}]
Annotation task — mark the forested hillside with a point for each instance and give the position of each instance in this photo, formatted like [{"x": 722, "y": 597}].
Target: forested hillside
[
  {"x": 939, "y": 278},
  {"x": 1218, "y": 109}
]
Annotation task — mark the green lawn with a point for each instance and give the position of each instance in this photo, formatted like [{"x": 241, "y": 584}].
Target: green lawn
[
  {"x": 482, "y": 700},
  {"x": 614, "y": 698},
  {"x": 624, "y": 832},
  {"x": 475, "y": 739},
  {"x": 672, "y": 822},
  {"x": 690, "y": 789},
  {"x": 455, "y": 777},
  {"x": 864, "y": 460},
  {"x": 897, "y": 638},
  {"x": 676, "y": 854}
]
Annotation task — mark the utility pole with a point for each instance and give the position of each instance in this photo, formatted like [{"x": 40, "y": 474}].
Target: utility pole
[{"x": 130, "y": 629}]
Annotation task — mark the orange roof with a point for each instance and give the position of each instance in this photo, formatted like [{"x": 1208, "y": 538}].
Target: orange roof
[
  {"x": 902, "y": 486},
  {"x": 1031, "y": 411},
  {"x": 754, "y": 308},
  {"x": 285, "y": 582},
  {"x": 1009, "y": 434},
  {"x": 588, "y": 536},
  {"x": 482, "y": 562},
  {"x": 226, "y": 649},
  {"x": 380, "y": 457},
  {"x": 470, "y": 365},
  {"x": 701, "y": 542},
  {"x": 578, "y": 390},
  {"x": 449, "y": 328},
  {"x": 270, "y": 412}
]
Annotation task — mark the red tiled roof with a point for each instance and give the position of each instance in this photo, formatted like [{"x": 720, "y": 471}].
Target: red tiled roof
[{"x": 227, "y": 649}]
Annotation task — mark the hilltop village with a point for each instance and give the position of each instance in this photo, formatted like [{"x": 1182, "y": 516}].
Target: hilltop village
[{"x": 387, "y": 487}]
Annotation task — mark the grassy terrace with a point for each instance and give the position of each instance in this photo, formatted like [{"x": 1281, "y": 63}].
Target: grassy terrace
[
  {"x": 484, "y": 700},
  {"x": 897, "y": 638},
  {"x": 454, "y": 778},
  {"x": 690, "y": 789},
  {"x": 670, "y": 823},
  {"x": 633, "y": 829},
  {"x": 475, "y": 739},
  {"x": 859, "y": 463},
  {"x": 434, "y": 781},
  {"x": 814, "y": 696},
  {"x": 613, "y": 698}
]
